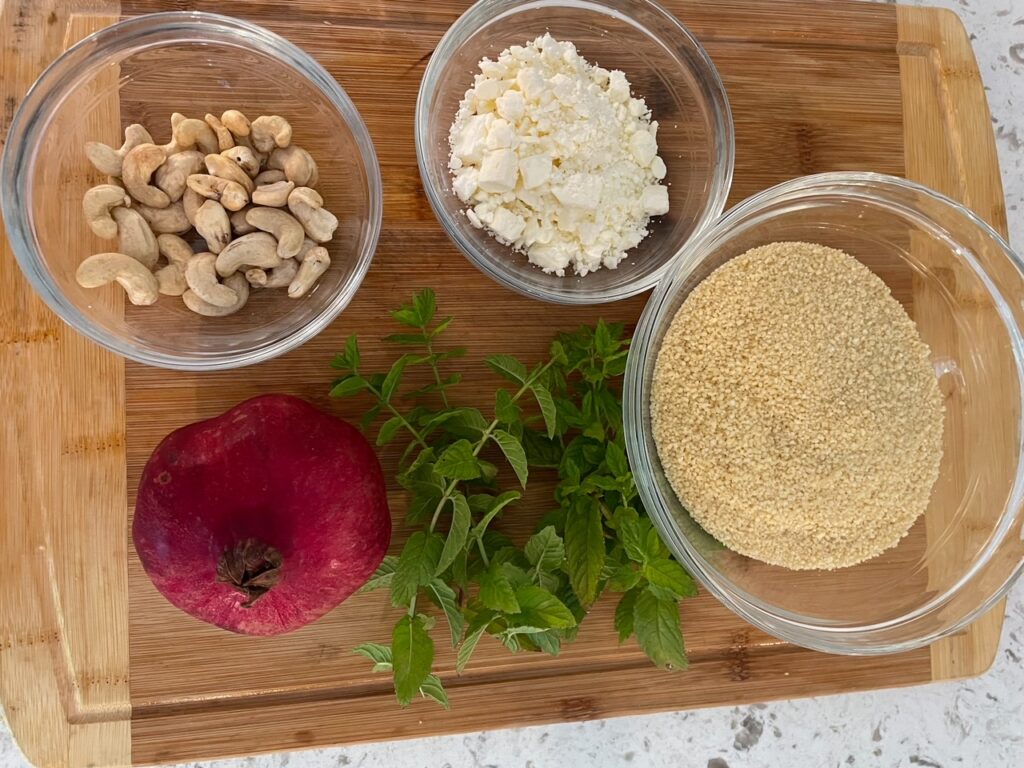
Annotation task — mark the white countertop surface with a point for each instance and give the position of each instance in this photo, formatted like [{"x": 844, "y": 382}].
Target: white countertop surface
[{"x": 977, "y": 724}]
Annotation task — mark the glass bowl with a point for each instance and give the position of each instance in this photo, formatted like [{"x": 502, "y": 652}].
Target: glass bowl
[
  {"x": 665, "y": 65},
  {"x": 141, "y": 70},
  {"x": 962, "y": 285}
]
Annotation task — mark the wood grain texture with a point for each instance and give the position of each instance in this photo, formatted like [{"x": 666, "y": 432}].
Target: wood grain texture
[
  {"x": 63, "y": 568},
  {"x": 942, "y": 87},
  {"x": 814, "y": 87}
]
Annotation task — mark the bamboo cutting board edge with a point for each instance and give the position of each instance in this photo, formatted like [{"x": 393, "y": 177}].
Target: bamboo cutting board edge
[{"x": 66, "y": 697}]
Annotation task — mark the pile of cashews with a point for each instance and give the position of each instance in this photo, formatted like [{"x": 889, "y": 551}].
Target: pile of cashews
[{"x": 255, "y": 207}]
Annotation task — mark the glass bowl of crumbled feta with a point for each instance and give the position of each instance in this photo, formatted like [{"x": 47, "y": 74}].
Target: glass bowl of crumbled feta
[{"x": 571, "y": 148}]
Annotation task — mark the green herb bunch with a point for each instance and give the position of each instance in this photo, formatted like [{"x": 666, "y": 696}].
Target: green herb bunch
[{"x": 563, "y": 414}]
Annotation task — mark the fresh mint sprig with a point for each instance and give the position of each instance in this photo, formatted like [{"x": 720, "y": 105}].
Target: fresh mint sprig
[{"x": 563, "y": 414}]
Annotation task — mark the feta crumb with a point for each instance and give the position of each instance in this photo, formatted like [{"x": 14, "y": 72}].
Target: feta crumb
[{"x": 498, "y": 171}]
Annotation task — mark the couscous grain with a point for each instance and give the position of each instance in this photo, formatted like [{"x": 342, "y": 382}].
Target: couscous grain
[{"x": 795, "y": 410}]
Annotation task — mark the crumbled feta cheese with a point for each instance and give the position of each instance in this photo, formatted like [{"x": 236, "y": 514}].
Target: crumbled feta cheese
[
  {"x": 555, "y": 157},
  {"x": 498, "y": 171},
  {"x": 535, "y": 169},
  {"x": 655, "y": 200}
]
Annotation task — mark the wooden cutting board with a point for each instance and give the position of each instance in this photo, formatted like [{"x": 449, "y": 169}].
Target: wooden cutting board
[{"x": 97, "y": 669}]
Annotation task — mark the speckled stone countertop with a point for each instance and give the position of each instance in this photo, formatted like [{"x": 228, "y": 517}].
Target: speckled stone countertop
[{"x": 978, "y": 723}]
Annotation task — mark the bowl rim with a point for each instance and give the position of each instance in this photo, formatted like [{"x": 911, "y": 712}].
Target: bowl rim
[
  {"x": 485, "y": 12},
  {"x": 63, "y": 74},
  {"x": 858, "y": 639}
]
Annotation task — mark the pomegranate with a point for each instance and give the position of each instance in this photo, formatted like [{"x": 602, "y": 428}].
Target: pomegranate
[{"x": 263, "y": 519}]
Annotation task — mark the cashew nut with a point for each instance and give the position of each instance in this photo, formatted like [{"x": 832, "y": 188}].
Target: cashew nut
[
  {"x": 238, "y": 223},
  {"x": 306, "y": 205},
  {"x": 298, "y": 165},
  {"x": 279, "y": 277},
  {"x": 176, "y": 250},
  {"x": 236, "y": 282},
  {"x": 269, "y": 131},
  {"x": 171, "y": 176},
  {"x": 257, "y": 277},
  {"x": 137, "y": 171},
  {"x": 135, "y": 238},
  {"x": 107, "y": 159},
  {"x": 236, "y": 122},
  {"x": 286, "y": 230},
  {"x": 224, "y": 138},
  {"x": 201, "y": 276},
  {"x": 177, "y": 119},
  {"x": 275, "y": 195},
  {"x": 313, "y": 265},
  {"x": 192, "y": 132},
  {"x": 171, "y": 219},
  {"x": 138, "y": 282},
  {"x": 245, "y": 158},
  {"x": 170, "y": 280},
  {"x": 230, "y": 194},
  {"x": 213, "y": 226},
  {"x": 268, "y": 177},
  {"x": 307, "y": 246},
  {"x": 226, "y": 168},
  {"x": 191, "y": 201},
  {"x": 97, "y": 205},
  {"x": 253, "y": 250}
]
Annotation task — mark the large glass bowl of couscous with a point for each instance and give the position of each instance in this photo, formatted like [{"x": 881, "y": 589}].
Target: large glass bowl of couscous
[{"x": 823, "y": 412}]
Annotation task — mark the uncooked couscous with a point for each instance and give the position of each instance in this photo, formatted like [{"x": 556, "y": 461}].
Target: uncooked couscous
[{"x": 795, "y": 409}]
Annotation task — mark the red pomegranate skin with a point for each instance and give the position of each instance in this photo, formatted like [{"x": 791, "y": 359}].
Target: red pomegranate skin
[{"x": 276, "y": 470}]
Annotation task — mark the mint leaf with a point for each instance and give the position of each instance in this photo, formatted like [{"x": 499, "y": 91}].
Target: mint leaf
[
  {"x": 497, "y": 504},
  {"x": 516, "y": 576},
  {"x": 632, "y": 536},
  {"x": 654, "y": 547},
  {"x": 406, "y": 316},
  {"x": 348, "y": 386},
  {"x": 496, "y": 591},
  {"x": 514, "y": 452},
  {"x": 624, "y": 613},
  {"x": 457, "y": 534},
  {"x": 616, "y": 459},
  {"x": 584, "y": 548},
  {"x": 545, "y": 549},
  {"x": 547, "y": 407},
  {"x": 603, "y": 341},
  {"x": 507, "y": 367},
  {"x": 440, "y": 328},
  {"x": 388, "y": 430},
  {"x": 394, "y": 378},
  {"x": 368, "y": 418},
  {"x": 382, "y": 576},
  {"x": 446, "y": 600},
  {"x": 458, "y": 462},
  {"x": 424, "y": 304},
  {"x": 474, "y": 632},
  {"x": 375, "y": 652},
  {"x": 539, "y": 608},
  {"x": 433, "y": 689},
  {"x": 623, "y": 578},
  {"x": 413, "y": 653},
  {"x": 656, "y": 623},
  {"x": 548, "y": 642},
  {"x": 557, "y": 353},
  {"x": 670, "y": 576},
  {"x": 541, "y": 452},
  {"x": 506, "y": 411},
  {"x": 416, "y": 566}
]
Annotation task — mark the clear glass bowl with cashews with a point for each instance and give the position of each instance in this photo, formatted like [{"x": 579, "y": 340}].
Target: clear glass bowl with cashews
[{"x": 191, "y": 191}]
